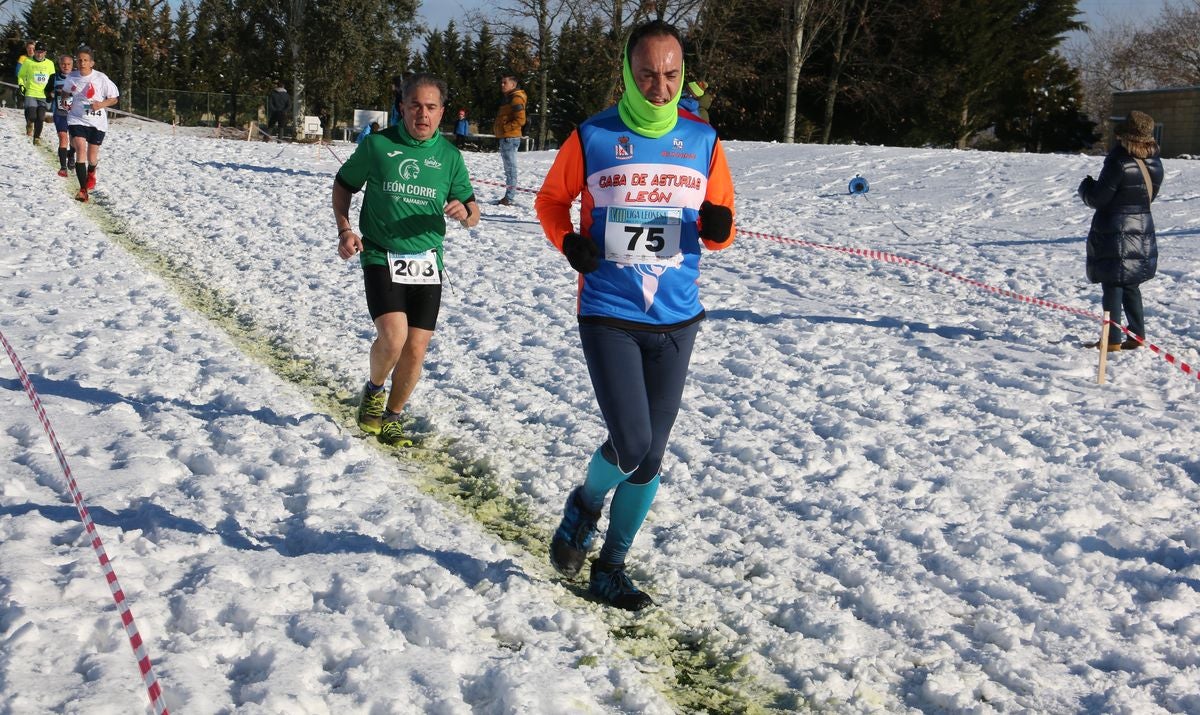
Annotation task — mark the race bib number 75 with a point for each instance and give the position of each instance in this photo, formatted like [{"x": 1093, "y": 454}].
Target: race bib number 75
[
  {"x": 414, "y": 268},
  {"x": 642, "y": 235}
]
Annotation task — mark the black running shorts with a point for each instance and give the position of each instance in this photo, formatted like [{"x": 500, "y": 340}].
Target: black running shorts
[
  {"x": 94, "y": 136},
  {"x": 420, "y": 302}
]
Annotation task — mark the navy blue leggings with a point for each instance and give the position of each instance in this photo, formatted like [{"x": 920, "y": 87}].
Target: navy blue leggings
[
  {"x": 1130, "y": 298},
  {"x": 638, "y": 378}
]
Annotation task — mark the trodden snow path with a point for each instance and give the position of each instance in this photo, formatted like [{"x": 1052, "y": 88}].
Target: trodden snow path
[{"x": 886, "y": 490}]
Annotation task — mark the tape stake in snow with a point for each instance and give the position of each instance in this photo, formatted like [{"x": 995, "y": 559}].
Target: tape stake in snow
[
  {"x": 1100, "y": 376},
  {"x": 135, "y": 639},
  {"x": 859, "y": 185},
  {"x": 1040, "y": 302}
]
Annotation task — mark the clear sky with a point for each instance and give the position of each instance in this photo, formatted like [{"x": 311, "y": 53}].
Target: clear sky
[
  {"x": 1098, "y": 12},
  {"x": 436, "y": 13}
]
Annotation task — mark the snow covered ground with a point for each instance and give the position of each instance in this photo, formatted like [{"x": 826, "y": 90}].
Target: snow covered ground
[{"x": 887, "y": 490}]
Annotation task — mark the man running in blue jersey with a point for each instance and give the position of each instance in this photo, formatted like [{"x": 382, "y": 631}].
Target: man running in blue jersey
[{"x": 655, "y": 188}]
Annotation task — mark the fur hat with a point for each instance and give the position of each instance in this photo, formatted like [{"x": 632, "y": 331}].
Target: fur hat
[{"x": 1136, "y": 126}]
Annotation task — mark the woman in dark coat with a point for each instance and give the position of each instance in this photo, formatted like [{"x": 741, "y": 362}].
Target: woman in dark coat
[{"x": 1122, "y": 252}]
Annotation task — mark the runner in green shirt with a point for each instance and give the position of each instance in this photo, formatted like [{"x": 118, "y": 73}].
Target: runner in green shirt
[
  {"x": 414, "y": 180},
  {"x": 32, "y": 78}
]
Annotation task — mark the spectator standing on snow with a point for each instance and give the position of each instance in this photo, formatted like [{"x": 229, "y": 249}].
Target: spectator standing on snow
[
  {"x": 414, "y": 179},
  {"x": 397, "y": 97},
  {"x": 279, "y": 103},
  {"x": 462, "y": 128},
  {"x": 697, "y": 99},
  {"x": 637, "y": 251},
  {"x": 1122, "y": 250},
  {"x": 33, "y": 81},
  {"x": 91, "y": 93},
  {"x": 510, "y": 121},
  {"x": 366, "y": 131},
  {"x": 62, "y": 107}
]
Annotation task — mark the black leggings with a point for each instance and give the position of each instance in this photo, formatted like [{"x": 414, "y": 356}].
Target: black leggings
[
  {"x": 36, "y": 114},
  {"x": 638, "y": 378}
]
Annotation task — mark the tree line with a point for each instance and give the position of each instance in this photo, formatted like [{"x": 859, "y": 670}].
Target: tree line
[{"x": 956, "y": 73}]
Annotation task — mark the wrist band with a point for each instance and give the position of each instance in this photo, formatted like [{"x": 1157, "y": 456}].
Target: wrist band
[{"x": 343, "y": 231}]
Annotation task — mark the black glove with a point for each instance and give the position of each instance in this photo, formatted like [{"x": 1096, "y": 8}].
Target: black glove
[
  {"x": 716, "y": 221},
  {"x": 1085, "y": 186},
  {"x": 581, "y": 253}
]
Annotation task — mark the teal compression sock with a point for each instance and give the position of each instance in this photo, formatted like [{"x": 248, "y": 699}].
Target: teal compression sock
[
  {"x": 602, "y": 476},
  {"x": 630, "y": 505}
]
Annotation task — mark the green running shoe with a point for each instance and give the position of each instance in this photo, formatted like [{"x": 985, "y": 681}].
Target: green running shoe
[
  {"x": 392, "y": 434},
  {"x": 370, "y": 410}
]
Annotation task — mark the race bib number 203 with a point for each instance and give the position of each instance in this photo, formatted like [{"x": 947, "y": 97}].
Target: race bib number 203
[{"x": 414, "y": 268}]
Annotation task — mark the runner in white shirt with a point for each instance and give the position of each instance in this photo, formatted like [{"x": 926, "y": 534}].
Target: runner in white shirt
[{"x": 88, "y": 92}]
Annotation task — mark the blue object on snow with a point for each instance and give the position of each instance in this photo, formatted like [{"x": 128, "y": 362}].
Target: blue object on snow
[{"x": 859, "y": 185}]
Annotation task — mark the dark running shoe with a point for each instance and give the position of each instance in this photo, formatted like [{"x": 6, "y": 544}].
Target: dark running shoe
[
  {"x": 611, "y": 584},
  {"x": 1130, "y": 344},
  {"x": 574, "y": 536}
]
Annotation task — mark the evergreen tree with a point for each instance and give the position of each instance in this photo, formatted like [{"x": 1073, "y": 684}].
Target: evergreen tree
[
  {"x": 579, "y": 74},
  {"x": 485, "y": 60},
  {"x": 1043, "y": 112},
  {"x": 970, "y": 53},
  {"x": 14, "y": 47},
  {"x": 349, "y": 54}
]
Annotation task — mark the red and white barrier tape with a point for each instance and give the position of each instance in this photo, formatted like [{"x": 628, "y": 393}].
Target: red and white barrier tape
[
  {"x": 135, "y": 638},
  {"x": 892, "y": 258}
]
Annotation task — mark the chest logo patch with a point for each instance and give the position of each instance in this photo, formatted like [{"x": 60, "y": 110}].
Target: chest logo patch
[
  {"x": 409, "y": 169},
  {"x": 624, "y": 148}
]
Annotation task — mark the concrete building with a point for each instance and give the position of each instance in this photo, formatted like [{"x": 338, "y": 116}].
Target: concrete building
[{"x": 1176, "y": 115}]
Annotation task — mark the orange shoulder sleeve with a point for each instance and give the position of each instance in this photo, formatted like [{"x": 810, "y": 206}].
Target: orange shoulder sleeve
[
  {"x": 563, "y": 183},
  {"x": 720, "y": 191}
]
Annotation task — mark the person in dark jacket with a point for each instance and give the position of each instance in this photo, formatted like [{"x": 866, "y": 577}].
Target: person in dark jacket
[
  {"x": 278, "y": 104},
  {"x": 1122, "y": 252}
]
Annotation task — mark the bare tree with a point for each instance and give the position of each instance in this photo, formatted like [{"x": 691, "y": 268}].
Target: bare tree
[
  {"x": 126, "y": 22},
  {"x": 1106, "y": 64},
  {"x": 623, "y": 15},
  {"x": 544, "y": 16},
  {"x": 804, "y": 21},
  {"x": 849, "y": 18},
  {"x": 1169, "y": 52},
  {"x": 294, "y": 24}
]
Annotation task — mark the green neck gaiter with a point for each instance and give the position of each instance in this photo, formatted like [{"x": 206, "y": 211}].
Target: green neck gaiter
[
  {"x": 641, "y": 116},
  {"x": 413, "y": 141}
]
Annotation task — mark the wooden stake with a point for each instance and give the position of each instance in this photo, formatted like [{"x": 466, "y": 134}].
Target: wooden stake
[{"x": 1103, "y": 347}]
